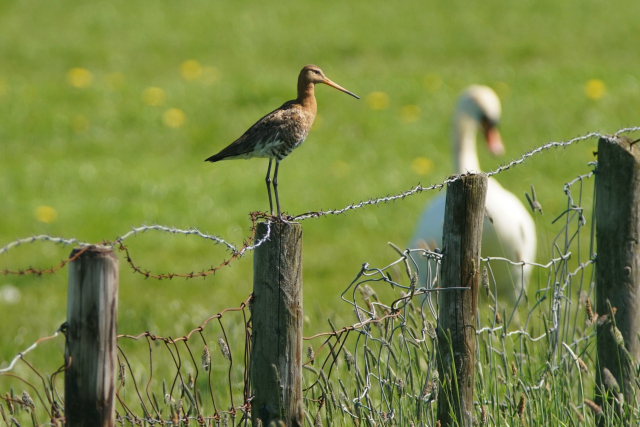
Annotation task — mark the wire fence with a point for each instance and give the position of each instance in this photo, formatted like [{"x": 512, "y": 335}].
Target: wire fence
[
  {"x": 391, "y": 373},
  {"x": 536, "y": 360}
]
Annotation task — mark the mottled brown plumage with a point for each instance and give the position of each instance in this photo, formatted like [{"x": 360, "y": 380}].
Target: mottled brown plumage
[{"x": 278, "y": 133}]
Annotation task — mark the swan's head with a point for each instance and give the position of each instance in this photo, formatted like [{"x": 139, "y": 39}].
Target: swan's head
[{"x": 479, "y": 108}]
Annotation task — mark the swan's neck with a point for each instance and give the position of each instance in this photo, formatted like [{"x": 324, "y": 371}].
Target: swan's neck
[{"x": 465, "y": 154}]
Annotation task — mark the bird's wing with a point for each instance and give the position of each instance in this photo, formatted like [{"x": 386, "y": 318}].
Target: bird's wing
[{"x": 265, "y": 131}]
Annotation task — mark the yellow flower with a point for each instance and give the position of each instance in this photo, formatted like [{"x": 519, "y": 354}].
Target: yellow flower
[
  {"x": 422, "y": 165},
  {"x": 46, "y": 214},
  {"x": 432, "y": 82},
  {"x": 410, "y": 113},
  {"x": 595, "y": 89},
  {"x": 154, "y": 96},
  {"x": 79, "y": 77},
  {"x": 378, "y": 100},
  {"x": 174, "y": 118},
  {"x": 190, "y": 69}
]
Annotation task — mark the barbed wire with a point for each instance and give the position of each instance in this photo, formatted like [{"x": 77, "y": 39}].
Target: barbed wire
[
  {"x": 133, "y": 232},
  {"x": 235, "y": 252},
  {"x": 247, "y": 246},
  {"x": 419, "y": 188},
  {"x": 562, "y": 144},
  {"x": 41, "y": 238},
  {"x": 40, "y": 272}
]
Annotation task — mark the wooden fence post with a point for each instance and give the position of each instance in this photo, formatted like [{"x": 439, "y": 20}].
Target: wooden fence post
[
  {"x": 276, "y": 313},
  {"x": 618, "y": 261},
  {"x": 462, "y": 236},
  {"x": 90, "y": 354}
]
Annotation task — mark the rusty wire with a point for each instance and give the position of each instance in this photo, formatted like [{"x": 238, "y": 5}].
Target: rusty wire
[
  {"x": 235, "y": 252},
  {"x": 40, "y": 272}
]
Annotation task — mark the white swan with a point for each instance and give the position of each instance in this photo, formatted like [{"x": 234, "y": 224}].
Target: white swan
[{"x": 508, "y": 229}]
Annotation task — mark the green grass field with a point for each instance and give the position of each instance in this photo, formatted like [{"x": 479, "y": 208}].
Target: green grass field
[{"x": 108, "y": 110}]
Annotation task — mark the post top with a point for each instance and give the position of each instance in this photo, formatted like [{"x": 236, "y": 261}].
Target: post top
[{"x": 93, "y": 250}]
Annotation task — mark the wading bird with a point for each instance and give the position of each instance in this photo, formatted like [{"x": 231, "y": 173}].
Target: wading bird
[
  {"x": 508, "y": 229},
  {"x": 278, "y": 133}
]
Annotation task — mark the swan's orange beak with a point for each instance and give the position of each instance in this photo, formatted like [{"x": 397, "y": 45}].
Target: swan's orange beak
[{"x": 494, "y": 140}]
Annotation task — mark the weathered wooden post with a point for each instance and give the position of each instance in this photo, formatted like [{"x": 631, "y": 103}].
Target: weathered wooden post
[
  {"x": 90, "y": 354},
  {"x": 276, "y": 351},
  {"x": 462, "y": 236},
  {"x": 618, "y": 261}
]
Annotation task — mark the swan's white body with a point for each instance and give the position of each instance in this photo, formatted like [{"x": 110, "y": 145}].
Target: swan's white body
[{"x": 508, "y": 229}]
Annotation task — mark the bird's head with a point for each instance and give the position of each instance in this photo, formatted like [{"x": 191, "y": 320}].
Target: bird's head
[
  {"x": 313, "y": 74},
  {"x": 483, "y": 105}
]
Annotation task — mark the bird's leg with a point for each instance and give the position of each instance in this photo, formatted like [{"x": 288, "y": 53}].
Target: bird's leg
[
  {"x": 275, "y": 189},
  {"x": 268, "y": 180}
]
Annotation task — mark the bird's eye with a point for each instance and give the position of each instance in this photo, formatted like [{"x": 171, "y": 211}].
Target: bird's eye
[
  {"x": 316, "y": 71},
  {"x": 487, "y": 122}
]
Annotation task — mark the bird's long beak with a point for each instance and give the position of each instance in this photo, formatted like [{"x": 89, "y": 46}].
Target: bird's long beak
[
  {"x": 334, "y": 85},
  {"x": 494, "y": 140}
]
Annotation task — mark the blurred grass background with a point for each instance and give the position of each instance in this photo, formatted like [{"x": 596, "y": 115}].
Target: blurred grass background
[{"x": 108, "y": 110}]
